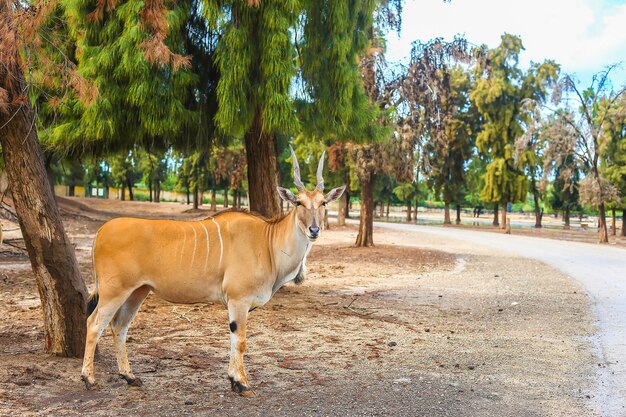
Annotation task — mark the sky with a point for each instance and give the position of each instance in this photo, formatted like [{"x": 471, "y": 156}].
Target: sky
[{"x": 583, "y": 36}]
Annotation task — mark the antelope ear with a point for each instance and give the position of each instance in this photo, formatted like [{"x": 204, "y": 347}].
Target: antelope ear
[
  {"x": 334, "y": 194},
  {"x": 287, "y": 195}
]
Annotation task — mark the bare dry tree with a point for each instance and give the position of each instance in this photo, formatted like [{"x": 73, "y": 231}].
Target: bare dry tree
[{"x": 586, "y": 136}]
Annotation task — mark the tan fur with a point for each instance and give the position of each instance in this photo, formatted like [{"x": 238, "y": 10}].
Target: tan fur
[{"x": 236, "y": 258}]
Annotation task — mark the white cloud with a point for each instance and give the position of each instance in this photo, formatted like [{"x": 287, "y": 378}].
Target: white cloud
[{"x": 582, "y": 35}]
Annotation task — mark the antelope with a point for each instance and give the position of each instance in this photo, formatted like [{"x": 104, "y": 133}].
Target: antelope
[{"x": 237, "y": 258}]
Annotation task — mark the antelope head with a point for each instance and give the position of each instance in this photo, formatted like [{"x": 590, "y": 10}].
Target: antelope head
[{"x": 310, "y": 206}]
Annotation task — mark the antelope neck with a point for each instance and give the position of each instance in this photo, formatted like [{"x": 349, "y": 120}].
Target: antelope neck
[{"x": 290, "y": 247}]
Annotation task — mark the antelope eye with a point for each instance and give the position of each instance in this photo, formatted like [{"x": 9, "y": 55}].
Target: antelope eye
[
  {"x": 298, "y": 203},
  {"x": 324, "y": 204}
]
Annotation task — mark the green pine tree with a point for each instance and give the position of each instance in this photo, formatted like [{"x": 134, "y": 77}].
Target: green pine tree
[{"x": 499, "y": 93}]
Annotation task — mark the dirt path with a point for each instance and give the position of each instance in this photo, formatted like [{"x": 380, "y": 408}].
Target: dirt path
[
  {"x": 600, "y": 269},
  {"x": 415, "y": 326}
]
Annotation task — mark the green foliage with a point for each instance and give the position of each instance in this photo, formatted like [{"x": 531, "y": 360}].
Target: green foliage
[
  {"x": 124, "y": 169},
  {"x": 614, "y": 150},
  {"x": 335, "y": 34},
  {"x": 153, "y": 166},
  {"x": 454, "y": 134},
  {"x": 499, "y": 95},
  {"x": 564, "y": 195},
  {"x": 256, "y": 60},
  {"x": 138, "y": 102}
]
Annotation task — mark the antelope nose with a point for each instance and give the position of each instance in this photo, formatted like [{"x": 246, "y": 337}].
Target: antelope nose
[{"x": 315, "y": 231}]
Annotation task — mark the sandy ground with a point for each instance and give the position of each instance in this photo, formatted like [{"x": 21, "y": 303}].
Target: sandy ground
[{"x": 412, "y": 327}]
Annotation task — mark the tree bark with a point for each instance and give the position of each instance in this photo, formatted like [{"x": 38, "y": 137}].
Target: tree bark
[
  {"x": 446, "y": 213},
  {"x": 213, "y": 199},
  {"x": 225, "y": 197},
  {"x": 566, "y": 216},
  {"x": 603, "y": 234},
  {"x": 415, "y": 208},
  {"x": 262, "y": 172},
  {"x": 495, "y": 222},
  {"x": 613, "y": 223},
  {"x": 365, "y": 238},
  {"x": 131, "y": 196},
  {"x": 157, "y": 191},
  {"x": 49, "y": 172},
  {"x": 188, "y": 195},
  {"x": 458, "y": 214},
  {"x": 59, "y": 281},
  {"x": 538, "y": 210},
  {"x": 382, "y": 209},
  {"x": 408, "y": 211},
  {"x": 624, "y": 222},
  {"x": 347, "y": 193},
  {"x": 341, "y": 214},
  {"x": 150, "y": 189},
  {"x": 387, "y": 213},
  {"x": 195, "y": 197},
  {"x": 123, "y": 193},
  {"x": 503, "y": 223}
]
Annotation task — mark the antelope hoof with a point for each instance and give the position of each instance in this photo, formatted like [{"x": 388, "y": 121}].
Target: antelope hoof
[
  {"x": 241, "y": 389},
  {"x": 90, "y": 385},
  {"x": 132, "y": 381}
]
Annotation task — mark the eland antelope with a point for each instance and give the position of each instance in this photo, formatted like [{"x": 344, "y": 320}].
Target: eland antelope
[{"x": 238, "y": 258}]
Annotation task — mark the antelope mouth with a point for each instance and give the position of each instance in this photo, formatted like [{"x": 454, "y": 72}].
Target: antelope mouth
[{"x": 312, "y": 238}]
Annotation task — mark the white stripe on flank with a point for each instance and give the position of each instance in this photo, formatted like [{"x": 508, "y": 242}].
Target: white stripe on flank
[
  {"x": 182, "y": 248},
  {"x": 206, "y": 232},
  {"x": 195, "y": 243},
  {"x": 221, "y": 243}
]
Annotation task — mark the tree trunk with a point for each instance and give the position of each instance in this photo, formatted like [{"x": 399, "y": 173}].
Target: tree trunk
[
  {"x": 123, "y": 193},
  {"x": 495, "y": 215},
  {"x": 157, "y": 191},
  {"x": 225, "y": 197},
  {"x": 603, "y": 234},
  {"x": 71, "y": 191},
  {"x": 538, "y": 210},
  {"x": 195, "y": 197},
  {"x": 613, "y": 223},
  {"x": 343, "y": 207},
  {"x": 188, "y": 195},
  {"x": 566, "y": 215},
  {"x": 150, "y": 189},
  {"x": 446, "y": 213},
  {"x": 59, "y": 281},
  {"x": 213, "y": 199},
  {"x": 131, "y": 196},
  {"x": 262, "y": 173},
  {"x": 347, "y": 193},
  {"x": 387, "y": 213},
  {"x": 382, "y": 209},
  {"x": 365, "y": 237},
  {"x": 624, "y": 222},
  {"x": 408, "y": 211},
  {"x": 416, "y": 206},
  {"x": 458, "y": 214},
  {"x": 49, "y": 172},
  {"x": 503, "y": 223},
  {"x": 326, "y": 223}
]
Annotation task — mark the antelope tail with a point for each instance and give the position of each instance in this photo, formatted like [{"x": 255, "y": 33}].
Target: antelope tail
[{"x": 92, "y": 300}]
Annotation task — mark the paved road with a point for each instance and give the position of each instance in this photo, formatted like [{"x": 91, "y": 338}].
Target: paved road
[{"x": 600, "y": 269}]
